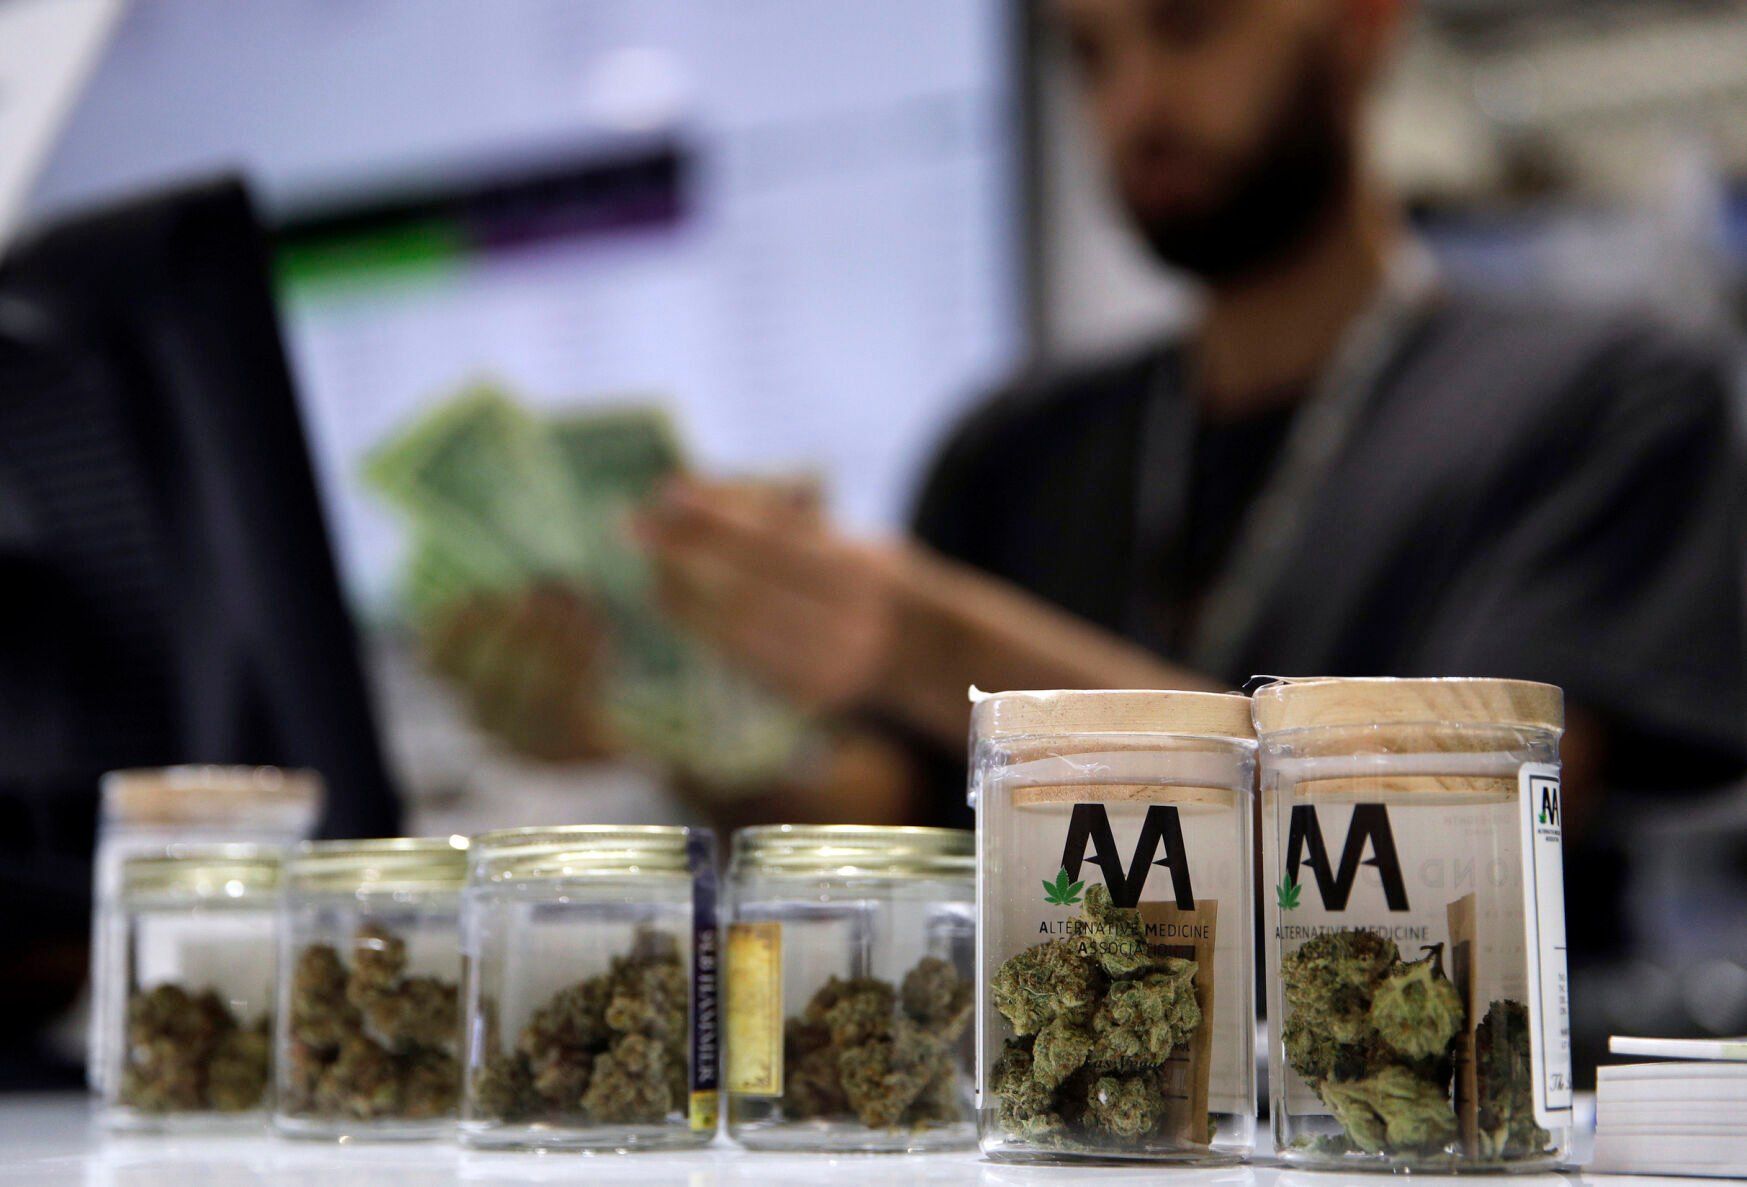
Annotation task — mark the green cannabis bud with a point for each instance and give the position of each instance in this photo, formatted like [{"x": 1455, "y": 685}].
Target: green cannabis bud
[
  {"x": 888, "y": 1056},
  {"x": 1330, "y": 982},
  {"x": 1416, "y": 1011},
  {"x": 1130, "y": 1107},
  {"x": 1027, "y": 1101},
  {"x": 1044, "y": 982},
  {"x": 186, "y": 1052},
  {"x": 1121, "y": 948},
  {"x": 612, "y": 1048},
  {"x": 1392, "y": 1111},
  {"x": 1373, "y": 1035},
  {"x": 1505, "y": 1078},
  {"x": 1095, "y": 1016},
  {"x": 369, "y": 1041},
  {"x": 1142, "y": 1019}
]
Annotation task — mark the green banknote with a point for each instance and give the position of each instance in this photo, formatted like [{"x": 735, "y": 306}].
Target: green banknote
[
  {"x": 615, "y": 459},
  {"x": 483, "y": 477}
]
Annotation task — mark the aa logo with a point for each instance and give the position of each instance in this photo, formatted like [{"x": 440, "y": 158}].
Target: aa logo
[
  {"x": 1368, "y": 830},
  {"x": 1549, "y": 790},
  {"x": 1090, "y": 840}
]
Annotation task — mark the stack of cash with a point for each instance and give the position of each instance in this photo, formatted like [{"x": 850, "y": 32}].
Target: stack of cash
[{"x": 499, "y": 501}]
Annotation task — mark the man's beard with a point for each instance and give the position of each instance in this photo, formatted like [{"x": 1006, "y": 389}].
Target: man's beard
[{"x": 1278, "y": 198}]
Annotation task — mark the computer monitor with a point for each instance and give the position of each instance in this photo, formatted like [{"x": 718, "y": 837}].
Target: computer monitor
[{"x": 172, "y": 595}]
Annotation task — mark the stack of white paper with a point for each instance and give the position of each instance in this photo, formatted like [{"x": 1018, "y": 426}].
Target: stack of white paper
[{"x": 1684, "y": 1116}]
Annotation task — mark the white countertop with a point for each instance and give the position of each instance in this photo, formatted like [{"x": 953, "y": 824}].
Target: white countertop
[{"x": 54, "y": 1139}]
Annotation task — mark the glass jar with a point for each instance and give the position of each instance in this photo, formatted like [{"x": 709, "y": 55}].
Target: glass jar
[
  {"x": 849, "y": 960},
  {"x": 591, "y": 989},
  {"x": 187, "y": 1021},
  {"x": 369, "y": 1001},
  {"x": 151, "y": 811},
  {"x": 1116, "y": 986},
  {"x": 1415, "y": 923}
]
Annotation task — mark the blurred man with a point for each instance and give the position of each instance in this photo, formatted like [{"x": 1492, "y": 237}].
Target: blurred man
[{"x": 1344, "y": 469}]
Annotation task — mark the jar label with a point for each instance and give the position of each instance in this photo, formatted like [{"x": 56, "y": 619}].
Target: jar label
[
  {"x": 706, "y": 1023},
  {"x": 1189, "y": 1074},
  {"x": 1544, "y": 923},
  {"x": 755, "y": 1009}
]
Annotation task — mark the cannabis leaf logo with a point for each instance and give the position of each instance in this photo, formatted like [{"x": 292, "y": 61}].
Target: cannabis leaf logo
[
  {"x": 1286, "y": 894},
  {"x": 1061, "y": 892}
]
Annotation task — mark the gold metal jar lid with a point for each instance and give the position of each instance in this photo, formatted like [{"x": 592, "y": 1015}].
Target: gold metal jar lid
[
  {"x": 1070, "y": 712},
  {"x": 1455, "y": 701},
  {"x": 203, "y": 872},
  {"x": 216, "y": 794},
  {"x": 855, "y": 849},
  {"x": 384, "y": 864},
  {"x": 584, "y": 850}
]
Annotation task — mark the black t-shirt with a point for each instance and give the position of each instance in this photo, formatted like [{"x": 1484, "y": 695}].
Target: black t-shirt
[
  {"x": 1529, "y": 493},
  {"x": 1229, "y": 463}
]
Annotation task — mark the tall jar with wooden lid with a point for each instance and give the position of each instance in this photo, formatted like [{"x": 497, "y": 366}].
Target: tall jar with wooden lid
[
  {"x": 155, "y": 812},
  {"x": 1414, "y": 922},
  {"x": 1115, "y": 1004}
]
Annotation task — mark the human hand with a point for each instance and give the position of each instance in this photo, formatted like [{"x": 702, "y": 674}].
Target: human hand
[{"x": 766, "y": 580}]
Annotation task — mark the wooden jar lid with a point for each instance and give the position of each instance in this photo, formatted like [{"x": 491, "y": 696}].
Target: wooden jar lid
[
  {"x": 194, "y": 794},
  {"x": 1310, "y": 704},
  {"x": 1006, "y": 715}
]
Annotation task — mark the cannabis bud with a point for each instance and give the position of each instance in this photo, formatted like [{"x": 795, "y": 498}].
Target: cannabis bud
[
  {"x": 1373, "y": 1035},
  {"x": 1095, "y": 1015},
  {"x": 1505, "y": 1080},
  {"x": 1393, "y": 1109},
  {"x": 888, "y": 1056},
  {"x": 367, "y": 1039},
  {"x": 611, "y": 1048},
  {"x": 1416, "y": 1011},
  {"x": 186, "y": 1052}
]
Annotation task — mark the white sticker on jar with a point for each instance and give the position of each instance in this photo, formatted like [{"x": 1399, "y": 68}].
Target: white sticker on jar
[{"x": 1544, "y": 926}]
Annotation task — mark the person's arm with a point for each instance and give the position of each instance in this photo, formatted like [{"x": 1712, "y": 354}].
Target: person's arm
[
  {"x": 850, "y": 775},
  {"x": 892, "y": 628},
  {"x": 958, "y": 627}
]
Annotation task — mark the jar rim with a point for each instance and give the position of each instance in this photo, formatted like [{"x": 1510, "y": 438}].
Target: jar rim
[
  {"x": 220, "y": 871},
  {"x": 850, "y": 849},
  {"x": 1165, "y": 712},
  {"x": 588, "y": 850},
  {"x": 1430, "y": 702},
  {"x": 378, "y": 863}
]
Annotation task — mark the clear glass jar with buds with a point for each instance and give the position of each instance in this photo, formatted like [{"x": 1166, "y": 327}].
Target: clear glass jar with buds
[
  {"x": 368, "y": 1033},
  {"x": 591, "y": 989},
  {"x": 1116, "y": 1012},
  {"x": 187, "y": 1021},
  {"x": 153, "y": 811},
  {"x": 1415, "y": 923},
  {"x": 849, "y": 992}
]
